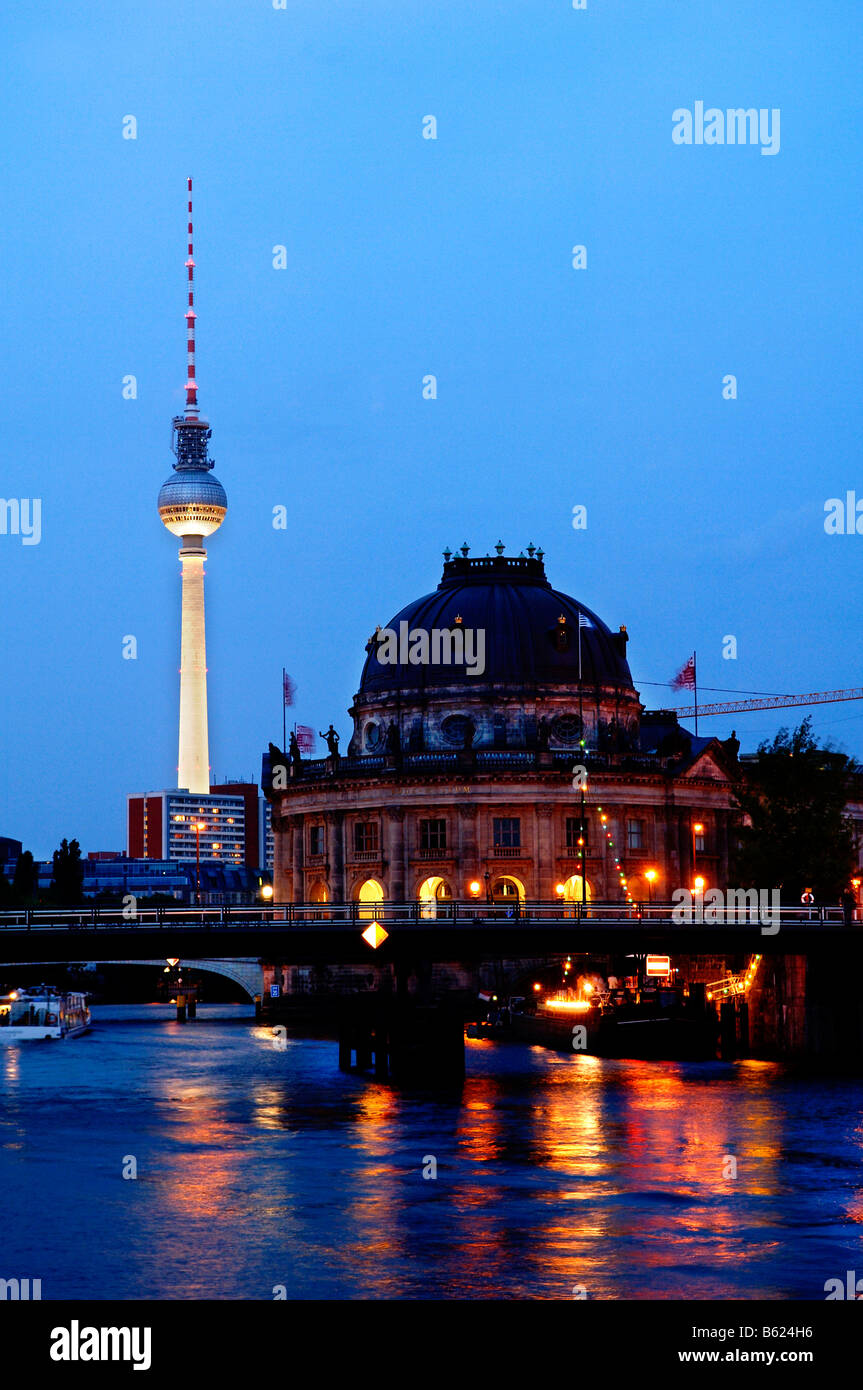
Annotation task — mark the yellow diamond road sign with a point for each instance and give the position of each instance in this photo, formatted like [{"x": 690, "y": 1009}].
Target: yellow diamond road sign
[{"x": 375, "y": 935}]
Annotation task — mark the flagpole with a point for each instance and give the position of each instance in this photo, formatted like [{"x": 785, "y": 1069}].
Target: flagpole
[
  {"x": 580, "y": 694},
  {"x": 695, "y": 691},
  {"x": 284, "y": 715}
]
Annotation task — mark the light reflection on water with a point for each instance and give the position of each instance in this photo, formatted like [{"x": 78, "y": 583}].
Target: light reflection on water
[{"x": 259, "y": 1166}]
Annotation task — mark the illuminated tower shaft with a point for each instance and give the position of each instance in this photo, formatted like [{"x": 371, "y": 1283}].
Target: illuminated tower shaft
[
  {"x": 192, "y": 504},
  {"x": 193, "y": 766}
]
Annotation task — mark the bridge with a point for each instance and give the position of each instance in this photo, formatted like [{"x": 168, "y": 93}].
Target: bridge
[
  {"x": 246, "y": 973},
  {"x": 332, "y": 933}
]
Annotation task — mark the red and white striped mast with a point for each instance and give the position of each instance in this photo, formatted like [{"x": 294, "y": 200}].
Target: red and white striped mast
[{"x": 191, "y": 384}]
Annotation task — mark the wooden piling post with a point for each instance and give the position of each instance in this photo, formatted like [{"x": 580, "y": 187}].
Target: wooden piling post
[
  {"x": 381, "y": 1049},
  {"x": 364, "y": 1047},
  {"x": 727, "y": 1031}
]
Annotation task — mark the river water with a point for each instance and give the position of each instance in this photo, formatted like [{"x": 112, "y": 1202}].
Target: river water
[{"x": 262, "y": 1170}]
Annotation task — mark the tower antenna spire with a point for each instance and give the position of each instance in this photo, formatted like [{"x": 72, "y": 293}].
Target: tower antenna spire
[{"x": 191, "y": 383}]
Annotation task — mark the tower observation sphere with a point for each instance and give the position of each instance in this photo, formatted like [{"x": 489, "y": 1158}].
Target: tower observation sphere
[{"x": 192, "y": 502}]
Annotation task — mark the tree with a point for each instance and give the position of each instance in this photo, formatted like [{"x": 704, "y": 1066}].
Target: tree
[
  {"x": 796, "y": 833},
  {"x": 26, "y": 880},
  {"x": 67, "y": 881}
]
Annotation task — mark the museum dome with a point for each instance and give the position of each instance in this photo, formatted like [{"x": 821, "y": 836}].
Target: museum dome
[{"x": 531, "y": 633}]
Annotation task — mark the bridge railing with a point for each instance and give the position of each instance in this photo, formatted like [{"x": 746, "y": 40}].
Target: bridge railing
[{"x": 469, "y": 914}]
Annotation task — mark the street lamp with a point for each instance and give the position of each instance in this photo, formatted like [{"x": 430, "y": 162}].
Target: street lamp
[
  {"x": 199, "y": 826},
  {"x": 697, "y": 829},
  {"x": 581, "y": 834},
  {"x": 487, "y": 877},
  {"x": 267, "y": 890},
  {"x": 650, "y": 875}
]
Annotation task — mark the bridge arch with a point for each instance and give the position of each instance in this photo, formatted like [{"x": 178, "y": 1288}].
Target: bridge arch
[{"x": 248, "y": 973}]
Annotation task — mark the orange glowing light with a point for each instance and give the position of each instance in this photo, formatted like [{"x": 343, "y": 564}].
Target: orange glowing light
[
  {"x": 375, "y": 935},
  {"x": 698, "y": 886},
  {"x": 650, "y": 875},
  {"x": 573, "y": 1006}
]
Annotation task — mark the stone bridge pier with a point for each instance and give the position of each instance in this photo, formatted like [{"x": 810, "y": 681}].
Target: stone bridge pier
[{"x": 809, "y": 1008}]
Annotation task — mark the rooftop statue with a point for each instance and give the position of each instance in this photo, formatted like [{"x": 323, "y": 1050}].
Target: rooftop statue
[{"x": 331, "y": 739}]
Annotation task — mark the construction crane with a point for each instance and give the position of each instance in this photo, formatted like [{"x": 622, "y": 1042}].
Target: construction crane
[{"x": 817, "y": 697}]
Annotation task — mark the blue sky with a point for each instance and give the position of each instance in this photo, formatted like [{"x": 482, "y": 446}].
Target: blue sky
[{"x": 303, "y": 127}]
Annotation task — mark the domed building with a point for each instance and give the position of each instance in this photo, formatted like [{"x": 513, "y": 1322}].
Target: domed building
[{"x": 500, "y": 750}]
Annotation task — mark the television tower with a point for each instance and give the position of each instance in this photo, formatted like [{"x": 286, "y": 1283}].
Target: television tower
[{"x": 192, "y": 504}]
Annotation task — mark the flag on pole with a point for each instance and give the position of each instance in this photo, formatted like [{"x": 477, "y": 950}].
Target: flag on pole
[
  {"x": 685, "y": 678},
  {"x": 289, "y": 690},
  {"x": 305, "y": 738}
]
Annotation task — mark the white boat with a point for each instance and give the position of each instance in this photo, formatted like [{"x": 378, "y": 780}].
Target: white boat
[{"x": 32, "y": 1015}]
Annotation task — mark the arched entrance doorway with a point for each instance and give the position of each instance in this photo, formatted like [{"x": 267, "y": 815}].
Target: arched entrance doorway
[
  {"x": 435, "y": 896},
  {"x": 370, "y": 895},
  {"x": 575, "y": 890},
  {"x": 507, "y": 890},
  {"x": 318, "y": 895}
]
